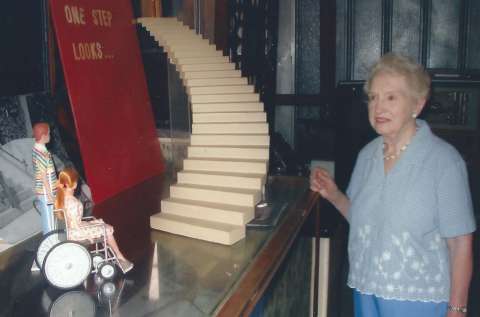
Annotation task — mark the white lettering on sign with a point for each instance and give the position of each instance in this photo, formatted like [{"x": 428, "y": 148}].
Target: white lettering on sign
[
  {"x": 102, "y": 17},
  {"x": 87, "y": 51},
  {"x": 74, "y": 15}
]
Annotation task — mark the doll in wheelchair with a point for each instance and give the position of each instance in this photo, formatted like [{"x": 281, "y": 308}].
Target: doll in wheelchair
[{"x": 67, "y": 257}]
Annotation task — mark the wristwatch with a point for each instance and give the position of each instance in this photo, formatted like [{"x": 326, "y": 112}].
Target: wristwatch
[{"x": 457, "y": 309}]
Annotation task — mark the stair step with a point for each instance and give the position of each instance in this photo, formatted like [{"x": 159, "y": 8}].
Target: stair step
[
  {"x": 24, "y": 194},
  {"x": 221, "y": 179},
  {"x": 209, "y": 90},
  {"x": 250, "y": 97},
  {"x": 230, "y": 128},
  {"x": 197, "y": 67},
  {"x": 215, "y": 81},
  {"x": 166, "y": 41},
  {"x": 229, "y": 117},
  {"x": 167, "y": 44},
  {"x": 27, "y": 204},
  {"x": 182, "y": 47},
  {"x": 226, "y": 165},
  {"x": 175, "y": 31},
  {"x": 165, "y": 24},
  {"x": 211, "y": 74},
  {"x": 200, "y": 45},
  {"x": 201, "y": 60},
  {"x": 198, "y": 229},
  {"x": 227, "y": 107},
  {"x": 175, "y": 34},
  {"x": 234, "y": 196},
  {"x": 165, "y": 28},
  {"x": 231, "y": 214},
  {"x": 230, "y": 139},
  {"x": 161, "y": 30},
  {"x": 9, "y": 215},
  {"x": 196, "y": 53},
  {"x": 162, "y": 21},
  {"x": 225, "y": 152}
]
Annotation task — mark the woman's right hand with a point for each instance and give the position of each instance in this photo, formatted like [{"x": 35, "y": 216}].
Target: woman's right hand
[{"x": 321, "y": 182}]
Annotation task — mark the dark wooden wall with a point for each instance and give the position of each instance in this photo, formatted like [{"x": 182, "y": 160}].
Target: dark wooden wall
[{"x": 441, "y": 34}]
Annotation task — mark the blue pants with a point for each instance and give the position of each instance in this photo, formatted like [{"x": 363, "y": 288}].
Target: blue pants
[
  {"x": 46, "y": 214},
  {"x": 373, "y": 306}
]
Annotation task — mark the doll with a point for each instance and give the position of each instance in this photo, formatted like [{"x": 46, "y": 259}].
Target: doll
[
  {"x": 79, "y": 229},
  {"x": 45, "y": 184}
]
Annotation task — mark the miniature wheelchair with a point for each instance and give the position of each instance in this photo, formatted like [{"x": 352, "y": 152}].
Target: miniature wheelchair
[{"x": 67, "y": 264}]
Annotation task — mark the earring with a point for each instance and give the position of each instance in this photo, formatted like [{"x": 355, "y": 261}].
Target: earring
[{"x": 414, "y": 115}]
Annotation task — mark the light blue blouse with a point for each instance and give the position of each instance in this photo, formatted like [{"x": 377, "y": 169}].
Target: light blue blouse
[{"x": 399, "y": 221}]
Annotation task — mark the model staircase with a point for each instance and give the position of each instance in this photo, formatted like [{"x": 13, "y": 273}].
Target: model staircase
[{"x": 225, "y": 169}]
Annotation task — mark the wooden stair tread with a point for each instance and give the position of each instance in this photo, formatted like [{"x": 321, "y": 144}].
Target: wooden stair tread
[
  {"x": 228, "y": 160},
  {"x": 230, "y": 128},
  {"x": 245, "y": 191},
  {"x": 214, "y": 173},
  {"x": 232, "y": 208},
  {"x": 230, "y": 214},
  {"x": 210, "y": 74},
  {"x": 200, "y": 222},
  {"x": 229, "y": 152},
  {"x": 228, "y": 166},
  {"x": 220, "y": 90},
  {"x": 199, "y": 229},
  {"x": 217, "y": 194},
  {"x": 229, "y": 117},
  {"x": 214, "y": 66},
  {"x": 202, "y": 60},
  {"x": 230, "y": 180},
  {"x": 227, "y": 107},
  {"x": 240, "y": 147},
  {"x": 196, "y": 82},
  {"x": 230, "y": 139}
]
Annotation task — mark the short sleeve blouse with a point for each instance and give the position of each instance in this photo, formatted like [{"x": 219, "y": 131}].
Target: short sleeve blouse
[{"x": 399, "y": 221}]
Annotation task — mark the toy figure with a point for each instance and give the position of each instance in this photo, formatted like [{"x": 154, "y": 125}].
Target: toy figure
[
  {"x": 78, "y": 229},
  {"x": 45, "y": 185}
]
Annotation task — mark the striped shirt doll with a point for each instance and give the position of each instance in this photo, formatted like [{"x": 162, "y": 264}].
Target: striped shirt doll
[{"x": 45, "y": 183}]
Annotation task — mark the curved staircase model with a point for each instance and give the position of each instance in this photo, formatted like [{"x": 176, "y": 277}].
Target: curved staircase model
[{"x": 226, "y": 165}]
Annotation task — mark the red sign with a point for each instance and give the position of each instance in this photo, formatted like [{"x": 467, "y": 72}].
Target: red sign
[{"x": 106, "y": 84}]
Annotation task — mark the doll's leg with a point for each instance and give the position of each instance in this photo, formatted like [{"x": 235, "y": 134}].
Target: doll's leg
[
  {"x": 125, "y": 265},
  {"x": 113, "y": 244},
  {"x": 46, "y": 213}
]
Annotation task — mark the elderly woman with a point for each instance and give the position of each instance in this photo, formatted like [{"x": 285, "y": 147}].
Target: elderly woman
[{"x": 408, "y": 204}]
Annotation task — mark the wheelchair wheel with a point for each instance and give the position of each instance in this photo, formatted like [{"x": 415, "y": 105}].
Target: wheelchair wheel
[
  {"x": 107, "y": 270},
  {"x": 97, "y": 259},
  {"x": 108, "y": 289},
  {"x": 48, "y": 241},
  {"x": 67, "y": 265}
]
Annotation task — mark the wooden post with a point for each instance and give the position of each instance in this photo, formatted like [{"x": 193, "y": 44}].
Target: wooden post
[
  {"x": 187, "y": 15},
  {"x": 151, "y": 8}
]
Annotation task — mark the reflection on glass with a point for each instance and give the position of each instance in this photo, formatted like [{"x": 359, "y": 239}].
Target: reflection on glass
[{"x": 73, "y": 303}]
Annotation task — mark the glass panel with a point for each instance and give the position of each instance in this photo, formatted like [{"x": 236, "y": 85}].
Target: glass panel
[
  {"x": 444, "y": 41},
  {"x": 367, "y": 36},
  {"x": 406, "y": 26},
  {"x": 473, "y": 41}
]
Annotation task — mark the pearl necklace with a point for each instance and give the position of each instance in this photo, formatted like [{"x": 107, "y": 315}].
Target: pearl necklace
[
  {"x": 402, "y": 149},
  {"x": 396, "y": 155}
]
